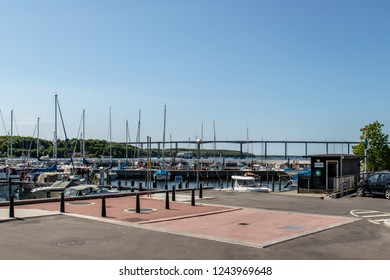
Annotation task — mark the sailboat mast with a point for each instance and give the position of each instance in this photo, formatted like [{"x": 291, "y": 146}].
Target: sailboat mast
[
  {"x": 55, "y": 127},
  {"x": 110, "y": 138},
  {"x": 247, "y": 142},
  {"x": 38, "y": 138},
  {"x": 215, "y": 139},
  {"x": 83, "y": 134},
  {"x": 139, "y": 134},
  {"x": 127, "y": 140},
  {"x": 165, "y": 126},
  {"x": 12, "y": 134}
]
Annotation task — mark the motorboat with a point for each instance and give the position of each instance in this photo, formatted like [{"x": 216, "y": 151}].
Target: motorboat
[
  {"x": 293, "y": 183},
  {"x": 7, "y": 173},
  {"x": 161, "y": 175},
  {"x": 55, "y": 189},
  {"x": 84, "y": 190},
  {"x": 247, "y": 184}
]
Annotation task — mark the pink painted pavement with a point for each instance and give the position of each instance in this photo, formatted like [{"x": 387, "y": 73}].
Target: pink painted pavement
[{"x": 249, "y": 227}]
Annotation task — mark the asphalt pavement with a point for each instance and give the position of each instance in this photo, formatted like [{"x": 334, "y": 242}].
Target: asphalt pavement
[{"x": 226, "y": 225}]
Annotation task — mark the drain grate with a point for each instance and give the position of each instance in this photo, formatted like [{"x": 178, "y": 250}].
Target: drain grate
[
  {"x": 291, "y": 227},
  {"x": 71, "y": 243}
]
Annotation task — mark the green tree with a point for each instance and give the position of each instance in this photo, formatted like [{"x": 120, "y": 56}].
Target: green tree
[{"x": 378, "y": 151}]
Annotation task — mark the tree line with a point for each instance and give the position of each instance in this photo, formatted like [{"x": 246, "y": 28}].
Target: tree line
[{"x": 27, "y": 147}]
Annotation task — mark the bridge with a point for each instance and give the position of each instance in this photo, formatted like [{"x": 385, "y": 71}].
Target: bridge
[{"x": 265, "y": 145}]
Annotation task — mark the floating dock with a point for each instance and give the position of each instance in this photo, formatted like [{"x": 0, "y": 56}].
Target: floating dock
[{"x": 204, "y": 174}]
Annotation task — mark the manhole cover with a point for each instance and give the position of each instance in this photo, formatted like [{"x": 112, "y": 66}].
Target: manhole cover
[
  {"x": 70, "y": 243},
  {"x": 243, "y": 224},
  {"x": 291, "y": 228},
  {"x": 142, "y": 210},
  {"x": 80, "y": 203}
]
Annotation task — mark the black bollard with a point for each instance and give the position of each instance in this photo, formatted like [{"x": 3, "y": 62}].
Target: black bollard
[
  {"x": 173, "y": 193},
  {"x": 166, "y": 186},
  {"x": 132, "y": 183},
  {"x": 201, "y": 190},
  {"x": 187, "y": 184},
  {"x": 193, "y": 197},
  {"x": 167, "y": 200},
  {"x": 137, "y": 204},
  {"x": 140, "y": 187},
  {"x": 154, "y": 185},
  {"x": 62, "y": 203},
  {"x": 10, "y": 188},
  {"x": 103, "y": 206},
  {"x": 11, "y": 207},
  {"x": 180, "y": 186}
]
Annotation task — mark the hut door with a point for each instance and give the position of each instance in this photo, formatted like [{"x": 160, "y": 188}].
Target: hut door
[{"x": 332, "y": 171}]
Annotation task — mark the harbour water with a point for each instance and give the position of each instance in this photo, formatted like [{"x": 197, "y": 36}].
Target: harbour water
[{"x": 128, "y": 186}]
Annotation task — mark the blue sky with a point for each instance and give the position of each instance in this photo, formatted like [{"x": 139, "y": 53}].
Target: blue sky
[{"x": 295, "y": 70}]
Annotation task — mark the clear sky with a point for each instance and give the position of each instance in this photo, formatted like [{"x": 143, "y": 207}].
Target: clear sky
[{"x": 284, "y": 70}]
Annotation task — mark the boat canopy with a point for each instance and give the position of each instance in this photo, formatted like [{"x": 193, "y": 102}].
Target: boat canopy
[
  {"x": 161, "y": 172},
  {"x": 302, "y": 173}
]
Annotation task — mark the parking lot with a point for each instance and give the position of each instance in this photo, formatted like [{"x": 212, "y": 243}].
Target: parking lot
[{"x": 71, "y": 237}]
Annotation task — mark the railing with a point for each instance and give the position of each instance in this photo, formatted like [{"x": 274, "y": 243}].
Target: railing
[{"x": 344, "y": 184}]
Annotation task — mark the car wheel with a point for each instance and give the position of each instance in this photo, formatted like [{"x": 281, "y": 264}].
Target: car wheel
[
  {"x": 387, "y": 193},
  {"x": 360, "y": 191}
]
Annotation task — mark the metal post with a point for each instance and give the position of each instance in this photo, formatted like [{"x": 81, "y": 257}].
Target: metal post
[
  {"x": 201, "y": 190},
  {"x": 193, "y": 197},
  {"x": 103, "y": 206},
  {"x": 62, "y": 203},
  {"x": 174, "y": 193},
  {"x": 167, "y": 200},
  {"x": 11, "y": 207},
  {"x": 137, "y": 204}
]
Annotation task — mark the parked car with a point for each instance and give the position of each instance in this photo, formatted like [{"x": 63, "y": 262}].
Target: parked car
[{"x": 375, "y": 183}]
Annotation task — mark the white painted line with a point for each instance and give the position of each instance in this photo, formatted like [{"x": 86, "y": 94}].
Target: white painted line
[
  {"x": 364, "y": 212},
  {"x": 379, "y": 215},
  {"x": 379, "y": 221}
]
